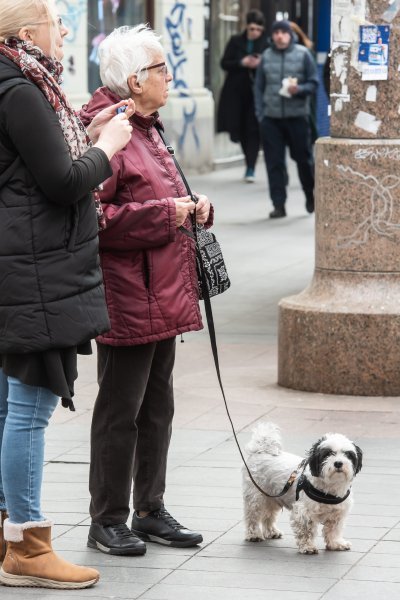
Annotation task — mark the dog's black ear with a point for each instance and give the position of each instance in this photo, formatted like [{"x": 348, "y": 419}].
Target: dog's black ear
[
  {"x": 314, "y": 458},
  {"x": 359, "y": 459}
]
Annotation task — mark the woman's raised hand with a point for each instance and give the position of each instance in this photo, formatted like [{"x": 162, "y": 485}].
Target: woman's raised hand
[
  {"x": 105, "y": 115},
  {"x": 115, "y": 134}
]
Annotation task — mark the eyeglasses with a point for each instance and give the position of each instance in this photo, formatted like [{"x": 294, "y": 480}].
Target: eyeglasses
[
  {"x": 255, "y": 28},
  {"x": 163, "y": 68}
]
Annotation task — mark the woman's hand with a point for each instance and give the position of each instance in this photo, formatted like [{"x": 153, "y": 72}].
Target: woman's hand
[
  {"x": 251, "y": 61},
  {"x": 202, "y": 209},
  {"x": 105, "y": 116},
  {"x": 114, "y": 135},
  {"x": 184, "y": 206}
]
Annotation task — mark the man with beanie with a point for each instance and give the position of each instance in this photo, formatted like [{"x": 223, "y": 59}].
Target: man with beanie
[{"x": 285, "y": 80}]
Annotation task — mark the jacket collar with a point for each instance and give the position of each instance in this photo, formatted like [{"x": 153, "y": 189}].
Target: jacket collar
[{"x": 147, "y": 122}]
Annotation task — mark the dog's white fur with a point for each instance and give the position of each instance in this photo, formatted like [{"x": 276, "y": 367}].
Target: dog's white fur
[{"x": 333, "y": 463}]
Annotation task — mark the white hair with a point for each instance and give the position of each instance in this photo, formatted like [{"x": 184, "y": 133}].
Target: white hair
[{"x": 127, "y": 51}]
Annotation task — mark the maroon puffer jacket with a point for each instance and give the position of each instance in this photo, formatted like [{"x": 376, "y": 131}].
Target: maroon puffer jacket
[{"x": 148, "y": 265}]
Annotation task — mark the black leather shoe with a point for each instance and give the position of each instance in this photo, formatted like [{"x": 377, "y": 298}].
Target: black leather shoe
[
  {"x": 115, "y": 539},
  {"x": 160, "y": 527},
  {"x": 278, "y": 213},
  {"x": 310, "y": 205}
]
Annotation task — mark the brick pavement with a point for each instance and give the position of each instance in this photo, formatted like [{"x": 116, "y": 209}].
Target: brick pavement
[{"x": 267, "y": 260}]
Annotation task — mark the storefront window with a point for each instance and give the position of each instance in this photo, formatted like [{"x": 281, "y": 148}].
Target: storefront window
[
  {"x": 223, "y": 22},
  {"x": 103, "y": 17}
]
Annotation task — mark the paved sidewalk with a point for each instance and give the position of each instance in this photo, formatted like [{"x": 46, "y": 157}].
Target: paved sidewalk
[{"x": 267, "y": 260}]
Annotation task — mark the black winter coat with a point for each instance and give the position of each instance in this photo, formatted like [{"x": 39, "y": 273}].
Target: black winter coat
[
  {"x": 51, "y": 293},
  {"x": 237, "y": 92}
]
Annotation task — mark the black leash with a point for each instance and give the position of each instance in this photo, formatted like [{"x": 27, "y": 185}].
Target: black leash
[{"x": 211, "y": 329}]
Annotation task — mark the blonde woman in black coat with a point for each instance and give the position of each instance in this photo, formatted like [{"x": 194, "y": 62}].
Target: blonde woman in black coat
[{"x": 51, "y": 294}]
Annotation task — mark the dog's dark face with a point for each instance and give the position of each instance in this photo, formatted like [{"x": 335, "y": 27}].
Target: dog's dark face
[{"x": 335, "y": 456}]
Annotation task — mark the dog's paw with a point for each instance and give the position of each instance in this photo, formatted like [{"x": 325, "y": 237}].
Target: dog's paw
[
  {"x": 339, "y": 545},
  {"x": 253, "y": 538},
  {"x": 273, "y": 534},
  {"x": 308, "y": 550}
]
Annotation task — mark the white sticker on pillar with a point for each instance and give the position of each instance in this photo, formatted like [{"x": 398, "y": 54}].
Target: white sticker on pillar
[
  {"x": 392, "y": 11},
  {"x": 347, "y": 15},
  {"x": 340, "y": 65},
  {"x": 370, "y": 96},
  {"x": 367, "y": 122}
]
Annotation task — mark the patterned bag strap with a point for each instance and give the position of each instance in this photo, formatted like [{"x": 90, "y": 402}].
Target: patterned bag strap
[{"x": 191, "y": 234}]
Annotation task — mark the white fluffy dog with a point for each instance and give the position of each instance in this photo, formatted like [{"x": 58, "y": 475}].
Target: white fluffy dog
[{"x": 323, "y": 491}]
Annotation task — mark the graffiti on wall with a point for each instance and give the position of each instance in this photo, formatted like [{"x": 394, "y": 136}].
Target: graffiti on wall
[
  {"x": 177, "y": 25},
  {"x": 72, "y": 14}
]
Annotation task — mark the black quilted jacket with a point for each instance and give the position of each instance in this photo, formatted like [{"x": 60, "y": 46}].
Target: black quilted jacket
[{"x": 51, "y": 292}]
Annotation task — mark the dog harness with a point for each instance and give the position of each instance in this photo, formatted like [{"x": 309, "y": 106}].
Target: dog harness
[{"x": 304, "y": 485}]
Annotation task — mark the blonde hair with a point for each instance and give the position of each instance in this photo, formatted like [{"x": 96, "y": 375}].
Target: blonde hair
[
  {"x": 304, "y": 40},
  {"x": 125, "y": 52},
  {"x": 16, "y": 14}
]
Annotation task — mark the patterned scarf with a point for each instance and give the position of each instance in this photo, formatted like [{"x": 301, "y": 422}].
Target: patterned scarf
[{"x": 46, "y": 74}]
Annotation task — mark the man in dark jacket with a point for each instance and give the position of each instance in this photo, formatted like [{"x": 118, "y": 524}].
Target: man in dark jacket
[{"x": 285, "y": 80}]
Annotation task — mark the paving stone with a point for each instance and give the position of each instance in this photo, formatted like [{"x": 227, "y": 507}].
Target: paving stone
[
  {"x": 183, "y": 592},
  {"x": 363, "y": 590},
  {"x": 250, "y": 581}
]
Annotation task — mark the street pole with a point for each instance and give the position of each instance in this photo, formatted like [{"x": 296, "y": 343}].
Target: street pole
[{"x": 341, "y": 335}]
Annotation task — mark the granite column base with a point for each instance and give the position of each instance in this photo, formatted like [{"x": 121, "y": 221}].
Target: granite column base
[{"x": 342, "y": 334}]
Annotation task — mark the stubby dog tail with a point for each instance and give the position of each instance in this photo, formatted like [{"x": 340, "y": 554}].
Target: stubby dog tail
[{"x": 266, "y": 439}]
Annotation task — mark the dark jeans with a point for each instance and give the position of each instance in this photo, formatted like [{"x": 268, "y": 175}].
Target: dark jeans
[
  {"x": 296, "y": 134},
  {"x": 250, "y": 139},
  {"x": 131, "y": 429}
]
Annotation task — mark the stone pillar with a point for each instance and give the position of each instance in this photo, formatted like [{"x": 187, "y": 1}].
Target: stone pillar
[
  {"x": 342, "y": 334},
  {"x": 189, "y": 113}
]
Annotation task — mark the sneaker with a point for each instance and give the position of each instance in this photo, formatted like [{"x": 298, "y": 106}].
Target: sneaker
[
  {"x": 160, "y": 527},
  {"x": 115, "y": 539},
  {"x": 310, "y": 204},
  {"x": 249, "y": 176},
  {"x": 278, "y": 213}
]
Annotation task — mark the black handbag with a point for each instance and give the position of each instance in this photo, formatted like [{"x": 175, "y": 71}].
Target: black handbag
[{"x": 211, "y": 270}]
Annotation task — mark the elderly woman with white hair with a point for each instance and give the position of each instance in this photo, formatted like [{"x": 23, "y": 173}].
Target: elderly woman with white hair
[{"x": 152, "y": 295}]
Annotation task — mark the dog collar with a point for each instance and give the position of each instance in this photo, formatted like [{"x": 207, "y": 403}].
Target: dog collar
[{"x": 304, "y": 485}]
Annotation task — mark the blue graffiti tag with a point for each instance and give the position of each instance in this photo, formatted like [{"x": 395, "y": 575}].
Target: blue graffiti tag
[
  {"x": 175, "y": 26},
  {"x": 71, "y": 14}
]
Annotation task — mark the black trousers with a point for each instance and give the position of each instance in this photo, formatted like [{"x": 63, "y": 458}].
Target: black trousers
[
  {"x": 131, "y": 429},
  {"x": 250, "y": 138},
  {"x": 295, "y": 133}
]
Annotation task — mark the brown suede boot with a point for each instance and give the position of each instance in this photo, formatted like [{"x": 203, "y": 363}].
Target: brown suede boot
[
  {"x": 31, "y": 562},
  {"x": 3, "y": 545}
]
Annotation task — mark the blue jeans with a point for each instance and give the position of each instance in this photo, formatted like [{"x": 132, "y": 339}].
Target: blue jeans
[{"x": 25, "y": 411}]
